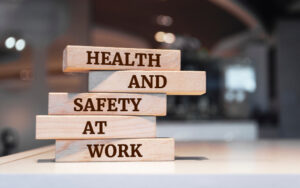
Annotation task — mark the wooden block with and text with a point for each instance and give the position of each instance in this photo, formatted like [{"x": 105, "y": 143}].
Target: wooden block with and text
[
  {"x": 87, "y": 58},
  {"x": 107, "y": 104},
  {"x": 169, "y": 82},
  {"x": 148, "y": 149},
  {"x": 94, "y": 127}
]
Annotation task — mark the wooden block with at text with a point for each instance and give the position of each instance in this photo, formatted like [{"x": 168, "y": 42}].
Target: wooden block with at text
[
  {"x": 107, "y": 104},
  {"x": 87, "y": 58},
  {"x": 169, "y": 82},
  {"x": 148, "y": 149},
  {"x": 94, "y": 127}
]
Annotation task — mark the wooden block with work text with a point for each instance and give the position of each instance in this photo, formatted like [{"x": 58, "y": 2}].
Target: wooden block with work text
[
  {"x": 87, "y": 58},
  {"x": 107, "y": 104},
  {"x": 148, "y": 149},
  {"x": 169, "y": 82},
  {"x": 94, "y": 127}
]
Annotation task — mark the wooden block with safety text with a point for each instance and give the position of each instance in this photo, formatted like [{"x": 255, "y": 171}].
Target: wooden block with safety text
[{"x": 107, "y": 104}]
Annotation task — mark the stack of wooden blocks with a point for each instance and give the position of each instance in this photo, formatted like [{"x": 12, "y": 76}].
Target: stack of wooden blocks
[{"x": 116, "y": 120}]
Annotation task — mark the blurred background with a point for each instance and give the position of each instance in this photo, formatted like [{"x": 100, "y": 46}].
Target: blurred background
[{"x": 250, "y": 50}]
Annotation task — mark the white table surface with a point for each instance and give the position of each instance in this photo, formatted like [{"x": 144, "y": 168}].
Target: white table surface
[{"x": 198, "y": 164}]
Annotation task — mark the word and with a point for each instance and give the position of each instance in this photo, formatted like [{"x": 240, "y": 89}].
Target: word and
[
  {"x": 111, "y": 150},
  {"x": 107, "y": 104},
  {"x": 123, "y": 59},
  {"x": 89, "y": 127},
  {"x": 148, "y": 81}
]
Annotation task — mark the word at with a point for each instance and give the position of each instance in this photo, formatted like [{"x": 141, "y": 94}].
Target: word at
[{"x": 89, "y": 127}]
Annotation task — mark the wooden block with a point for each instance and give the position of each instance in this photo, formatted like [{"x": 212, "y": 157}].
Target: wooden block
[
  {"x": 87, "y": 58},
  {"x": 94, "y": 127},
  {"x": 107, "y": 104},
  {"x": 150, "y": 149},
  {"x": 169, "y": 82}
]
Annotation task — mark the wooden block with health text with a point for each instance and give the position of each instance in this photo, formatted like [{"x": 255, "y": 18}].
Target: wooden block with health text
[
  {"x": 107, "y": 104},
  {"x": 146, "y": 149},
  {"x": 169, "y": 82},
  {"x": 94, "y": 127},
  {"x": 87, "y": 58}
]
